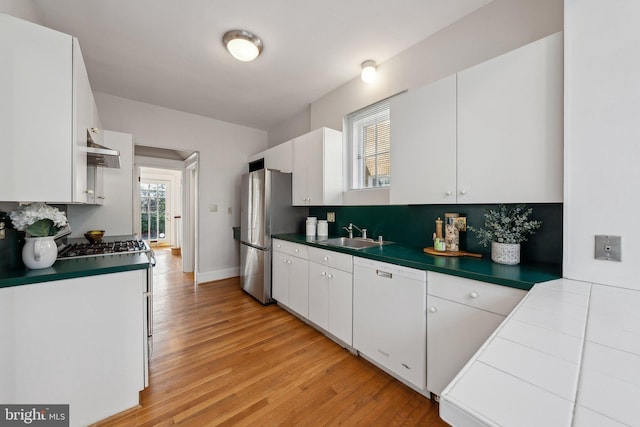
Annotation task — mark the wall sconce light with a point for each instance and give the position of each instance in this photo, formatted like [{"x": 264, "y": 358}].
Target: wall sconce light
[
  {"x": 368, "y": 73},
  {"x": 243, "y": 45}
]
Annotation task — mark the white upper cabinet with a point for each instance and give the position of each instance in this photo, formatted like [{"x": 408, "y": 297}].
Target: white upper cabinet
[
  {"x": 510, "y": 126},
  {"x": 279, "y": 157},
  {"x": 490, "y": 134},
  {"x": 317, "y": 168},
  {"x": 83, "y": 119},
  {"x": 44, "y": 111},
  {"x": 423, "y": 156}
]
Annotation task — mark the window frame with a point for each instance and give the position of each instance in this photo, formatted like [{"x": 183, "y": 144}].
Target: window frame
[{"x": 355, "y": 123}]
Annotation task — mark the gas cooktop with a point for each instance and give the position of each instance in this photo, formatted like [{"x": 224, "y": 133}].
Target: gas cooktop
[{"x": 78, "y": 250}]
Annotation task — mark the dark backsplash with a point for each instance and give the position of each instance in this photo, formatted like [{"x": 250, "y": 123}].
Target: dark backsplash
[{"x": 414, "y": 225}]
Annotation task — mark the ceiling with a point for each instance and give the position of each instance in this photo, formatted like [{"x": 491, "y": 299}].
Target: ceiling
[{"x": 170, "y": 53}]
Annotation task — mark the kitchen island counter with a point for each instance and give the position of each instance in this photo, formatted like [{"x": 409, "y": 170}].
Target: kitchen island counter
[
  {"x": 76, "y": 267},
  {"x": 567, "y": 355},
  {"x": 522, "y": 276}
]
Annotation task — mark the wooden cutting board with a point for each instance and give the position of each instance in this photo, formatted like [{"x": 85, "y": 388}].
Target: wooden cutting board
[{"x": 432, "y": 251}]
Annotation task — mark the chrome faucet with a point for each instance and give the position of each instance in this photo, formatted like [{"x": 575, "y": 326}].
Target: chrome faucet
[{"x": 350, "y": 230}]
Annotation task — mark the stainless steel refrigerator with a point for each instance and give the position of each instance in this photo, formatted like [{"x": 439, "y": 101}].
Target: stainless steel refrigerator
[{"x": 265, "y": 209}]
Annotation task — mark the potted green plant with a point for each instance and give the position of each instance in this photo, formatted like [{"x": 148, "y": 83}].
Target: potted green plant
[{"x": 505, "y": 228}]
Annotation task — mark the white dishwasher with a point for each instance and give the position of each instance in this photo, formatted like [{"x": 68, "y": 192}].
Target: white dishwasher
[{"x": 390, "y": 318}]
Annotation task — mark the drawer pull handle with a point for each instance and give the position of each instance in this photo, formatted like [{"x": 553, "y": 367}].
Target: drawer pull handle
[
  {"x": 473, "y": 294},
  {"x": 406, "y": 366},
  {"x": 384, "y": 274},
  {"x": 432, "y": 309}
]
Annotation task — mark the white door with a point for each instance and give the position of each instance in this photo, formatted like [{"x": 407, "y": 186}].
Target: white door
[{"x": 155, "y": 210}]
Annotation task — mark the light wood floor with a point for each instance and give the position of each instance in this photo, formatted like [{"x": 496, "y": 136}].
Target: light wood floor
[{"x": 221, "y": 358}]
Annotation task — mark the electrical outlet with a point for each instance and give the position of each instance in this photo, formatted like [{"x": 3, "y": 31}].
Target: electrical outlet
[
  {"x": 229, "y": 210},
  {"x": 331, "y": 217},
  {"x": 213, "y": 208},
  {"x": 608, "y": 248}
]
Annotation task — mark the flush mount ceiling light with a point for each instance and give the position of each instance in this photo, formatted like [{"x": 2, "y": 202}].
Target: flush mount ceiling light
[
  {"x": 368, "y": 73},
  {"x": 243, "y": 45}
]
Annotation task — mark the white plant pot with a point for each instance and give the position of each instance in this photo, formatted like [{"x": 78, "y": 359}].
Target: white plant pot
[
  {"x": 505, "y": 253},
  {"x": 39, "y": 252}
]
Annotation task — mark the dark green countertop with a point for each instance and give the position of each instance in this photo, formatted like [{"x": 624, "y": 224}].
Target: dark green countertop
[
  {"x": 522, "y": 276},
  {"x": 76, "y": 267}
]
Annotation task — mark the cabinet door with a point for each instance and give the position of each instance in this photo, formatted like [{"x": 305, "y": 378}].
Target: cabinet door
[
  {"x": 319, "y": 295},
  {"x": 314, "y": 152},
  {"x": 299, "y": 286},
  {"x": 510, "y": 126},
  {"x": 299, "y": 183},
  {"x": 83, "y": 120},
  {"x": 423, "y": 132},
  {"x": 35, "y": 112},
  {"x": 90, "y": 343},
  {"x": 340, "y": 305},
  {"x": 280, "y": 157},
  {"x": 95, "y": 185},
  {"x": 280, "y": 278},
  {"x": 454, "y": 333}
]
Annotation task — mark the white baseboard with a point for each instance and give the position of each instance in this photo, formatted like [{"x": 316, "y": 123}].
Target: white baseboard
[{"x": 210, "y": 276}]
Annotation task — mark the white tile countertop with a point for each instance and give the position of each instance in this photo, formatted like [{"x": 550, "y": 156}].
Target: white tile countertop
[{"x": 568, "y": 355}]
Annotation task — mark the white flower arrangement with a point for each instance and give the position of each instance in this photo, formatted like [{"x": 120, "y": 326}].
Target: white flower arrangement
[{"x": 38, "y": 219}]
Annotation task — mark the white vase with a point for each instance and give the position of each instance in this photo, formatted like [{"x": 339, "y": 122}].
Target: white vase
[
  {"x": 505, "y": 253},
  {"x": 39, "y": 252}
]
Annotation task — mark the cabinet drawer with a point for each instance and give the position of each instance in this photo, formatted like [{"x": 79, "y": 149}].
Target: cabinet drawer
[
  {"x": 331, "y": 259},
  {"x": 290, "y": 248},
  {"x": 486, "y": 296}
]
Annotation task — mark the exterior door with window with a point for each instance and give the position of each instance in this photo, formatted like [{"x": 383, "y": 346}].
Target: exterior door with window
[{"x": 155, "y": 224}]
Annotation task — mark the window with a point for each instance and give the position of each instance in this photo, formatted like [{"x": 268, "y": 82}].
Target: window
[
  {"x": 153, "y": 202},
  {"x": 370, "y": 141}
]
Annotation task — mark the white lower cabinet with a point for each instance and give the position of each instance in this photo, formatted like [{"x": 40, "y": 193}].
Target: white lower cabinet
[
  {"x": 331, "y": 292},
  {"x": 389, "y": 318},
  {"x": 290, "y": 276},
  {"x": 462, "y": 314},
  {"x": 78, "y": 341},
  {"x": 422, "y": 335}
]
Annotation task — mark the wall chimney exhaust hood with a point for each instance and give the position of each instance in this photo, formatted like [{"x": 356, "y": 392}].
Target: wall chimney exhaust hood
[{"x": 99, "y": 155}]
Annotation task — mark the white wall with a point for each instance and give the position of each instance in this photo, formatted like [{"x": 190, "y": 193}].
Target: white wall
[
  {"x": 23, "y": 9},
  {"x": 292, "y": 128},
  {"x": 492, "y": 30},
  {"x": 223, "y": 147},
  {"x": 602, "y": 138}
]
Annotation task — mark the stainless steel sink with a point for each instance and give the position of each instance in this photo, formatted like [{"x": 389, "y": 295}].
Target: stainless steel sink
[{"x": 355, "y": 243}]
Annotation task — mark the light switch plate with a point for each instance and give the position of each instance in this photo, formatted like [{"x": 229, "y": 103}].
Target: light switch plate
[{"x": 608, "y": 248}]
